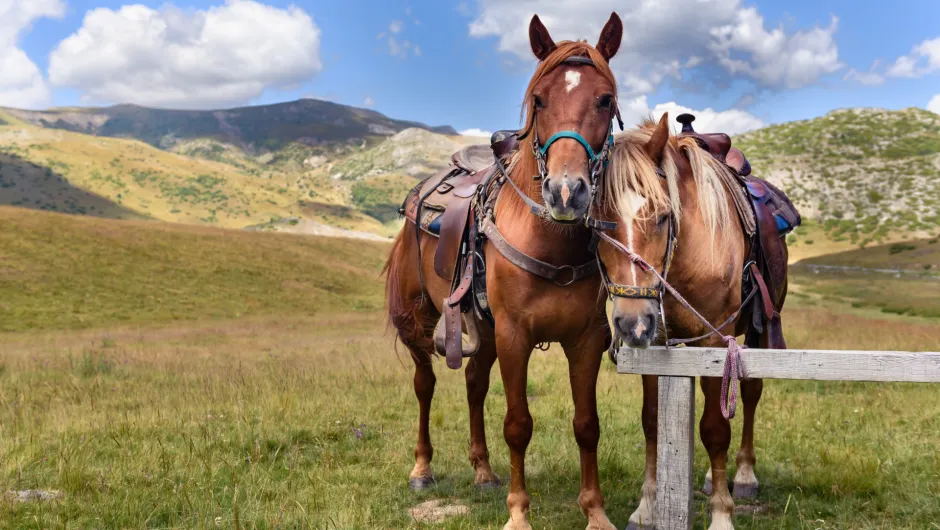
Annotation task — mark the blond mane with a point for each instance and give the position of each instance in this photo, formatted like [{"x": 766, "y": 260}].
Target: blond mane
[{"x": 631, "y": 173}]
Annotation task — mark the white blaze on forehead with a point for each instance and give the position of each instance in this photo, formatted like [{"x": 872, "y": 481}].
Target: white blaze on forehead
[
  {"x": 572, "y": 80},
  {"x": 634, "y": 202}
]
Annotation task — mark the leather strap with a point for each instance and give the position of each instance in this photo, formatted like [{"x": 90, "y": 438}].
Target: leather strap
[
  {"x": 529, "y": 264},
  {"x": 452, "y": 322}
]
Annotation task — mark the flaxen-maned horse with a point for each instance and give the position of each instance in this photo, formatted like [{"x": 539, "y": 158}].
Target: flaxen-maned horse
[
  {"x": 661, "y": 188},
  {"x": 577, "y": 97}
]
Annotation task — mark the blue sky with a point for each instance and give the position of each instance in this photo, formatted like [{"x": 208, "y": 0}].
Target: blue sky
[{"x": 738, "y": 64}]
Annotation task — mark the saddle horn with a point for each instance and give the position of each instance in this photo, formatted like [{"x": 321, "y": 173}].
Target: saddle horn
[{"x": 686, "y": 121}]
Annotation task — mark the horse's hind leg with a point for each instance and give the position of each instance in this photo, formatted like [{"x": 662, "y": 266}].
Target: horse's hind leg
[
  {"x": 415, "y": 333},
  {"x": 478, "y": 384},
  {"x": 745, "y": 481}
]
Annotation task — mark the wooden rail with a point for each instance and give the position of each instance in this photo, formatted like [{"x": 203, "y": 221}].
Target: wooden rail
[{"x": 677, "y": 368}]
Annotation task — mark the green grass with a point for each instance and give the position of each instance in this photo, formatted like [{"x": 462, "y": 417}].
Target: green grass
[
  {"x": 299, "y": 414},
  {"x": 60, "y": 272},
  {"x": 292, "y": 422}
]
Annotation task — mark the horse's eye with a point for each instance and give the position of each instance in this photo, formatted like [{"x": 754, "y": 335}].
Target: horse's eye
[
  {"x": 538, "y": 102},
  {"x": 605, "y": 102},
  {"x": 662, "y": 220}
]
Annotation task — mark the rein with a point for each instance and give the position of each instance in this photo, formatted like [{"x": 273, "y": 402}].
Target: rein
[{"x": 735, "y": 368}]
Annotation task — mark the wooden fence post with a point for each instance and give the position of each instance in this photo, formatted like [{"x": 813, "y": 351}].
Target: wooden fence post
[{"x": 674, "y": 458}]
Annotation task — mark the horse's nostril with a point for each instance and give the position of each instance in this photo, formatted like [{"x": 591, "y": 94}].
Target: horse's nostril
[
  {"x": 576, "y": 186},
  {"x": 618, "y": 324}
]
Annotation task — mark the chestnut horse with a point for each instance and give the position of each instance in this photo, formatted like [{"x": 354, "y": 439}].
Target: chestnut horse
[
  {"x": 661, "y": 188},
  {"x": 577, "y": 99}
]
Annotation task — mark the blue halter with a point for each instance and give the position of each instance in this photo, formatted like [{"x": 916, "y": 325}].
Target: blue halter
[{"x": 574, "y": 136}]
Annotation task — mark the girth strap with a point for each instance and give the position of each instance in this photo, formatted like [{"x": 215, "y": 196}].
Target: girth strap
[{"x": 539, "y": 268}]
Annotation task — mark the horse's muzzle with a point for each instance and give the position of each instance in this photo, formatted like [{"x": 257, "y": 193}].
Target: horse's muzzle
[
  {"x": 567, "y": 198},
  {"x": 637, "y": 331}
]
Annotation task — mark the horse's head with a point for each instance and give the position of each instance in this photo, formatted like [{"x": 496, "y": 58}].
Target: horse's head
[
  {"x": 641, "y": 197},
  {"x": 570, "y": 104},
  {"x": 653, "y": 181}
]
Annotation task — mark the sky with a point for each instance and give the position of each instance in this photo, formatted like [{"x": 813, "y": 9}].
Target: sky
[{"x": 737, "y": 65}]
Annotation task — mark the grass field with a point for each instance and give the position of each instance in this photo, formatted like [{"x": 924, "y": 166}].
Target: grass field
[
  {"x": 302, "y": 415},
  {"x": 59, "y": 272}
]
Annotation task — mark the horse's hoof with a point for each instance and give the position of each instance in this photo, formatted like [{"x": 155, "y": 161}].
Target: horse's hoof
[
  {"x": 744, "y": 491},
  {"x": 707, "y": 488},
  {"x": 421, "y": 483},
  {"x": 488, "y": 485},
  {"x": 636, "y": 526}
]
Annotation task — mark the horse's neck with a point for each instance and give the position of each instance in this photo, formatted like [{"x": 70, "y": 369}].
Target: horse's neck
[
  {"x": 539, "y": 238},
  {"x": 698, "y": 255}
]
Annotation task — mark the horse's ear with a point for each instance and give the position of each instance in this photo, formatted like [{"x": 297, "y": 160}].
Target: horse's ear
[
  {"x": 541, "y": 41},
  {"x": 657, "y": 142},
  {"x": 611, "y": 36}
]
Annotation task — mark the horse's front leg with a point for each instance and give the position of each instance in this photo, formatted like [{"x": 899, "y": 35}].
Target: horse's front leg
[
  {"x": 584, "y": 360},
  {"x": 478, "y": 384},
  {"x": 646, "y": 511},
  {"x": 715, "y": 432},
  {"x": 514, "y": 348},
  {"x": 745, "y": 479}
]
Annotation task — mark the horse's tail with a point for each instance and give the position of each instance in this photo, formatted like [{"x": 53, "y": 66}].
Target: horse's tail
[
  {"x": 395, "y": 304},
  {"x": 405, "y": 308}
]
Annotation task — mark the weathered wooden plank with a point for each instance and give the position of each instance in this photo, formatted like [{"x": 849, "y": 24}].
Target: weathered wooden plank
[
  {"x": 674, "y": 453},
  {"x": 822, "y": 365}
]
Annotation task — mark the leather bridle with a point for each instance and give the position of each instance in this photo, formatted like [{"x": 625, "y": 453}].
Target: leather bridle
[{"x": 598, "y": 160}]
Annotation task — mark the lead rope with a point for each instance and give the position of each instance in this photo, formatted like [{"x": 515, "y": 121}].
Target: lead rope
[{"x": 735, "y": 367}]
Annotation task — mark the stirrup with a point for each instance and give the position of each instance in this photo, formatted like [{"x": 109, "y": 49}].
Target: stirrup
[{"x": 468, "y": 348}]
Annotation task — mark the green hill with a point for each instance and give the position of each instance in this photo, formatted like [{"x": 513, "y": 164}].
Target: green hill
[
  {"x": 922, "y": 255},
  {"x": 62, "y": 272},
  {"x": 865, "y": 175}
]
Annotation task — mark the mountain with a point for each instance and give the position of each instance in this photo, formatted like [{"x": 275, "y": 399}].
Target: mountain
[
  {"x": 68, "y": 172},
  {"x": 255, "y": 129},
  {"x": 858, "y": 175}
]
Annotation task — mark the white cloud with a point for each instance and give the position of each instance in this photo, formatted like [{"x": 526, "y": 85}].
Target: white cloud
[
  {"x": 224, "y": 55},
  {"x": 869, "y": 78},
  {"x": 663, "y": 39},
  {"x": 934, "y": 104},
  {"x": 368, "y": 102},
  {"x": 396, "y": 47},
  {"x": 923, "y": 59},
  {"x": 732, "y": 121},
  {"x": 21, "y": 81},
  {"x": 776, "y": 59},
  {"x": 476, "y": 132}
]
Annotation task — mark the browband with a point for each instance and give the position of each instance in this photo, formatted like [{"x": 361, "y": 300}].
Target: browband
[{"x": 578, "y": 59}]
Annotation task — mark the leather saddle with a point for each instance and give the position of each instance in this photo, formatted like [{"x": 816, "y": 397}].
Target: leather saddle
[
  {"x": 776, "y": 216},
  {"x": 717, "y": 144},
  {"x": 443, "y": 207}
]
